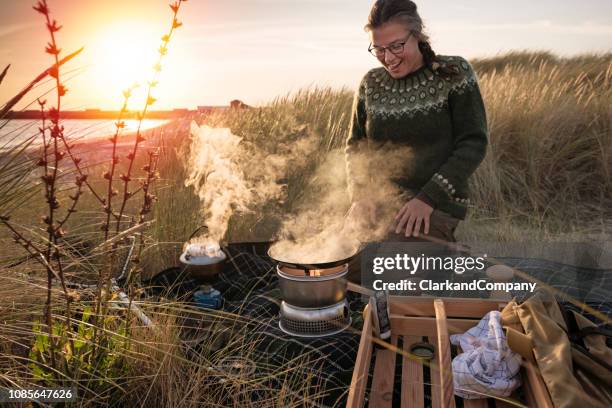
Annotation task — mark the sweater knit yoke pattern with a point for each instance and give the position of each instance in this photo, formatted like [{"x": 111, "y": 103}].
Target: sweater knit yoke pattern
[{"x": 421, "y": 93}]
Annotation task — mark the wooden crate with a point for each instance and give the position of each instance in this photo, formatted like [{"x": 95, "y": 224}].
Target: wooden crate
[{"x": 413, "y": 318}]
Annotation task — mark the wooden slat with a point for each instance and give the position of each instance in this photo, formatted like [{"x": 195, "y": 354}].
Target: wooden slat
[
  {"x": 455, "y": 307},
  {"x": 412, "y": 326},
  {"x": 426, "y": 326},
  {"x": 412, "y": 377},
  {"x": 499, "y": 404},
  {"x": 359, "y": 380},
  {"x": 434, "y": 376},
  {"x": 381, "y": 393},
  {"x": 475, "y": 403},
  {"x": 447, "y": 391}
]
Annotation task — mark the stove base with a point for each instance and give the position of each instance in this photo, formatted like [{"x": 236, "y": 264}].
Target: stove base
[{"x": 325, "y": 321}]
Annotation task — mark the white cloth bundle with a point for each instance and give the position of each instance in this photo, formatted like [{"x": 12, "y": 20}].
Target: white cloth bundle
[{"x": 487, "y": 366}]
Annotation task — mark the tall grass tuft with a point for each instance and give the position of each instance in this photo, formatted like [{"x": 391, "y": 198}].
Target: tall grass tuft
[{"x": 550, "y": 140}]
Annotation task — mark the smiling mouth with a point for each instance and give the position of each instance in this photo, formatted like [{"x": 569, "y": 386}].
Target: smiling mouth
[{"x": 394, "y": 67}]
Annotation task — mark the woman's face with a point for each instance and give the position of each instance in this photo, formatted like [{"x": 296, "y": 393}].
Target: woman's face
[{"x": 407, "y": 60}]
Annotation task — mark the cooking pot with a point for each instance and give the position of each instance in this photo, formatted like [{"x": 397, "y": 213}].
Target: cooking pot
[
  {"x": 315, "y": 289},
  {"x": 203, "y": 268},
  {"x": 283, "y": 260}
]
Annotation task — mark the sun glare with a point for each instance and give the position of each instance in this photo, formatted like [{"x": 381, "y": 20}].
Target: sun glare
[{"x": 124, "y": 53}]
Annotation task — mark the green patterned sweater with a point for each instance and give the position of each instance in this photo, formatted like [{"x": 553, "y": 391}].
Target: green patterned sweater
[{"x": 441, "y": 120}]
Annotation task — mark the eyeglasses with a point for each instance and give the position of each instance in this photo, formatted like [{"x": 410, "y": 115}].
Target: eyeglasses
[{"x": 395, "y": 48}]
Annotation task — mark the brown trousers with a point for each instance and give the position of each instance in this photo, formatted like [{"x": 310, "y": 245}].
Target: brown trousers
[{"x": 441, "y": 225}]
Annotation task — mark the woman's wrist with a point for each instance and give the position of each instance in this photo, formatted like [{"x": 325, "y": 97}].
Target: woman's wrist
[{"x": 425, "y": 198}]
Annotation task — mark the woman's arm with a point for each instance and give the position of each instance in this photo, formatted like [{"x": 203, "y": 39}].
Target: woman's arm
[{"x": 469, "y": 126}]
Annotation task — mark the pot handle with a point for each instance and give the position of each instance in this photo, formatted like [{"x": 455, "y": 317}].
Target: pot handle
[
  {"x": 196, "y": 231},
  {"x": 222, "y": 245}
]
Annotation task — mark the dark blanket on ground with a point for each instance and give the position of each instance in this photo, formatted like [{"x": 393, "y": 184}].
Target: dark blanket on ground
[{"x": 249, "y": 287}]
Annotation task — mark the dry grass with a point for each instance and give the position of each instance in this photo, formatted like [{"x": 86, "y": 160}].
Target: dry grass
[
  {"x": 551, "y": 141},
  {"x": 548, "y": 168},
  {"x": 171, "y": 364}
]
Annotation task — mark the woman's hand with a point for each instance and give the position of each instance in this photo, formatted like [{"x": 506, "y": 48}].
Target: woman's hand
[{"x": 414, "y": 213}]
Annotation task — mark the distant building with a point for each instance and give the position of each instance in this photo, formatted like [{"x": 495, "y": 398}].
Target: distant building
[{"x": 238, "y": 104}]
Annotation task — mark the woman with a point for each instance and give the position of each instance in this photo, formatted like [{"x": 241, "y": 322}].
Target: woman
[{"x": 427, "y": 102}]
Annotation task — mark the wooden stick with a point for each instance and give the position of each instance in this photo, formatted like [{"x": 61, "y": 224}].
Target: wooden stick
[
  {"x": 353, "y": 287},
  {"x": 426, "y": 326},
  {"x": 359, "y": 380},
  {"x": 447, "y": 391},
  {"x": 454, "y": 307}
]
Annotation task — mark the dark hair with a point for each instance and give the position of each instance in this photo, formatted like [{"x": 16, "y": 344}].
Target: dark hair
[{"x": 405, "y": 12}]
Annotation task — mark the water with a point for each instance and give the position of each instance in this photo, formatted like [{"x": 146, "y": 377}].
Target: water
[{"x": 16, "y": 131}]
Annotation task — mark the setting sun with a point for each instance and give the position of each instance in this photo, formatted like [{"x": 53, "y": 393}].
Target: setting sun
[{"x": 124, "y": 53}]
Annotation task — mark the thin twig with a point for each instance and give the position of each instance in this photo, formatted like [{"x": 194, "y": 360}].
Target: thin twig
[{"x": 148, "y": 102}]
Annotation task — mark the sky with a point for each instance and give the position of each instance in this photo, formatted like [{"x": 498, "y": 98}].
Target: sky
[{"x": 256, "y": 50}]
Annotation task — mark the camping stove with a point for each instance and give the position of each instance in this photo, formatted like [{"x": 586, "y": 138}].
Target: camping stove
[{"x": 314, "y": 301}]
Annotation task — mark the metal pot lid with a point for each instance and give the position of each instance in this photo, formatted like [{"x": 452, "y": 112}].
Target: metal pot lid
[
  {"x": 196, "y": 254},
  {"x": 201, "y": 260},
  {"x": 309, "y": 266}
]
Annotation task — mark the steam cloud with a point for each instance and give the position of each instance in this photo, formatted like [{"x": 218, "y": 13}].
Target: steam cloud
[
  {"x": 323, "y": 231},
  {"x": 230, "y": 174}
]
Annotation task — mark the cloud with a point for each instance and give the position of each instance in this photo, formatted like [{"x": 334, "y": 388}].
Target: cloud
[
  {"x": 547, "y": 26},
  {"x": 10, "y": 29},
  {"x": 277, "y": 42}
]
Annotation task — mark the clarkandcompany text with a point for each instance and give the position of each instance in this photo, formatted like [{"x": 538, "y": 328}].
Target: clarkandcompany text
[{"x": 427, "y": 285}]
